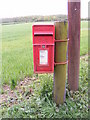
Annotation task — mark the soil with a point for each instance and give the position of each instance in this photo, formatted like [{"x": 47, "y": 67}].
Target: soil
[{"x": 22, "y": 91}]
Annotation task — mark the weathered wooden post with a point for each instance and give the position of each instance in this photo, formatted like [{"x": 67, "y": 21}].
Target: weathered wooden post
[
  {"x": 74, "y": 43},
  {"x": 0, "y": 56},
  {"x": 60, "y": 61}
]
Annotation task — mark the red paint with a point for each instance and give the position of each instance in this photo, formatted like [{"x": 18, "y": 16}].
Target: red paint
[{"x": 43, "y": 41}]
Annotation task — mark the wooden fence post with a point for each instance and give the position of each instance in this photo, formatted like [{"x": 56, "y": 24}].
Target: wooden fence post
[
  {"x": 74, "y": 43},
  {"x": 0, "y": 48},
  {"x": 60, "y": 57}
]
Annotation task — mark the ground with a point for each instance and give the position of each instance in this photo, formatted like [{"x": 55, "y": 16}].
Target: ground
[
  {"x": 12, "y": 95},
  {"x": 32, "y": 93}
]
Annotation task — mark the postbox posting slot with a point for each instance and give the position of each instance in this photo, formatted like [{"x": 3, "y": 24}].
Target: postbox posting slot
[{"x": 43, "y": 33}]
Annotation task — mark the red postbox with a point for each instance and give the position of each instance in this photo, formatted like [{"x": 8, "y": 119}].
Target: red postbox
[{"x": 43, "y": 47}]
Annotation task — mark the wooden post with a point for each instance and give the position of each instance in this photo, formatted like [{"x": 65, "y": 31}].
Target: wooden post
[
  {"x": 0, "y": 56},
  {"x": 60, "y": 57},
  {"x": 74, "y": 43}
]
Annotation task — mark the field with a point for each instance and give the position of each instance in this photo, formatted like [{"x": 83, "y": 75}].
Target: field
[
  {"x": 17, "y": 54},
  {"x": 84, "y": 38},
  {"x": 17, "y": 64}
]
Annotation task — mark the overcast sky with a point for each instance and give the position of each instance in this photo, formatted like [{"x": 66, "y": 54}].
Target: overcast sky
[{"x": 15, "y": 8}]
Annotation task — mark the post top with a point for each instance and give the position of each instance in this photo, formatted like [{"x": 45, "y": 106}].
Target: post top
[
  {"x": 43, "y": 23},
  {"x": 74, "y": 0}
]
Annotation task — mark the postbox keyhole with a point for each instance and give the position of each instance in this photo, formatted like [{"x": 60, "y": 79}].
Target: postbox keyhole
[{"x": 43, "y": 46}]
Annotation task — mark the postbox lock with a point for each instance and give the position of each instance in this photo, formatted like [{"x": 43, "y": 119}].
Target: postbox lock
[{"x": 43, "y": 46}]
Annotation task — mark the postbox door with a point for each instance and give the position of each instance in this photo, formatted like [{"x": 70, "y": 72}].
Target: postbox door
[
  {"x": 43, "y": 48},
  {"x": 43, "y": 59}
]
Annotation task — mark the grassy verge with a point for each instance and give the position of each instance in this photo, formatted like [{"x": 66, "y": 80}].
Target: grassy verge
[{"x": 40, "y": 103}]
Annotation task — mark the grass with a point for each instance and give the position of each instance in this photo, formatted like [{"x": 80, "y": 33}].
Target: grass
[
  {"x": 17, "y": 62},
  {"x": 84, "y": 24},
  {"x": 41, "y": 104},
  {"x": 84, "y": 38},
  {"x": 17, "y": 56},
  {"x": 17, "y": 52}
]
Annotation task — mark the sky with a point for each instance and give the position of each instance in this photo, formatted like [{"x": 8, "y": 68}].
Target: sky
[{"x": 16, "y": 8}]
